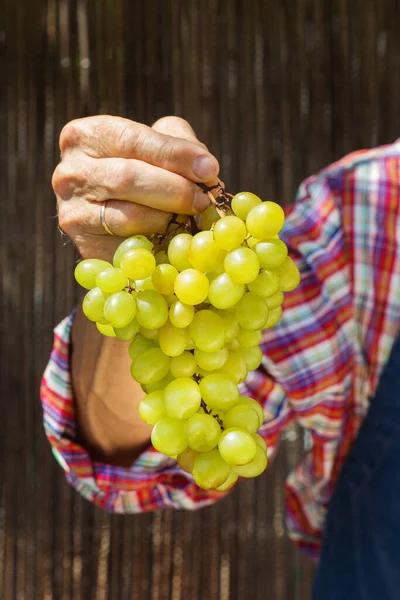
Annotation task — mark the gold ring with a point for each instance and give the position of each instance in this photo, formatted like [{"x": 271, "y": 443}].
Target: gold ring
[{"x": 103, "y": 219}]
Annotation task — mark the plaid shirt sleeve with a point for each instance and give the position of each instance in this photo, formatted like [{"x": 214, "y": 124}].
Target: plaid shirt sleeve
[{"x": 321, "y": 363}]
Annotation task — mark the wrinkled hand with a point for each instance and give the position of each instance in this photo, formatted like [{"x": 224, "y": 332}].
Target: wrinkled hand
[{"x": 145, "y": 173}]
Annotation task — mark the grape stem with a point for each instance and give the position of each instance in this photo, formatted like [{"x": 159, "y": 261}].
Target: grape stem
[
  {"x": 222, "y": 201},
  {"x": 208, "y": 411}
]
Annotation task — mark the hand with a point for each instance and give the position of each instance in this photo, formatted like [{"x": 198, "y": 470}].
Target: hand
[{"x": 146, "y": 174}]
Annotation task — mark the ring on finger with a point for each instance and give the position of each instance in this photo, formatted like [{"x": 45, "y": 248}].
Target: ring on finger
[{"x": 103, "y": 219}]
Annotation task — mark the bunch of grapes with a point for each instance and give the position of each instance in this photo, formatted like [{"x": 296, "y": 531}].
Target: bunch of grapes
[{"x": 192, "y": 307}]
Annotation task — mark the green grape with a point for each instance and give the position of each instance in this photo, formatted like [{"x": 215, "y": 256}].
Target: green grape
[
  {"x": 224, "y": 292},
  {"x": 289, "y": 275},
  {"x": 229, "y": 232},
  {"x": 191, "y": 287},
  {"x": 207, "y": 331},
  {"x": 163, "y": 278},
  {"x": 93, "y": 305},
  {"x": 186, "y": 459},
  {"x": 246, "y": 401},
  {"x": 150, "y": 366},
  {"x": 128, "y": 332},
  {"x": 111, "y": 280},
  {"x": 202, "y": 432},
  {"x": 229, "y": 483},
  {"x": 255, "y": 467},
  {"x": 265, "y": 284},
  {"x": 178, "y": 251},
  {"x": 243, "y": 202},
  {"x": 249, "y": 338},
  {"x": 252, "y": 241},
  {"x": 183, "y": 365},
  {"x": 210, "y": 470},
  {"x": 271, "y": 253},
  {"x": 231, "y": 326},
  {"x": 152, "y": 309},
  {"x": 182, "y": 398},
  {"x": 136, "y": 241},
  {"x": 219, "y": 391},
  {"x": 106, "y": 330},
  {"x": 235, "y": 367},
  {"x": 190, "y": 345},
  {"x": 260, "y": 442},
  {"x": 236, "y": 446},
  {"x": 168, "y": 436},
  {"x": 265, "y": 220},
  {"x": 208, "y": 217},
  {"x": 274, "y": 316},
  {"x": 210, "y": 361},
  {"x": 275, "y": 301},
  {"x": 150, "y": 334},
  {"x": 140, "y": 345},
  {"x": 252, "y": 356},
  {"x": 158, "y": 385},
  {"x": 180, "y": 314},
  {"x": 87, "y": 270},
  {"x": 171, "y": 299},
  {"x": 242, "y": 416},
  {"x": 161, "y": 257},
  {"x": 151, "y": 408},
  {"x": 144, "y": 284},
  {"x": 119, "y": 309},
  {"x": 242, "y": 265},
  {"x": 204, "y": 254},
  {"x": 173, "y": 340},
  {"x": 138, "y": 263},
  {"x": 251, "y": 312},
  {"x": 233, "y": 346}
]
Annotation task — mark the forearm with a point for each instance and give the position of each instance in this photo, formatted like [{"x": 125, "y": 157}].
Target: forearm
[{"x": 106, "y": 396}]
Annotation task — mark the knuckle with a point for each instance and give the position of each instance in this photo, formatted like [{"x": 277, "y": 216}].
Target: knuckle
[
  {"x": 66, "y": 180},
  {"x": 71, "y": 134},
  {"x": 127, "y": 140},
  {"x": 68, "y": 219},
  {"x": 168, "y": 123},
  {"x": 122, "y": 178}
]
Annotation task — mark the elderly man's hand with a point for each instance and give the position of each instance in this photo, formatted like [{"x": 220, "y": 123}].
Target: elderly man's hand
[{"x": 146, "y": 174}]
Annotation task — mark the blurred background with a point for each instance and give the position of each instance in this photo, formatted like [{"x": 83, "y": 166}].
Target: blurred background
[{"x": 277, "y": 90}]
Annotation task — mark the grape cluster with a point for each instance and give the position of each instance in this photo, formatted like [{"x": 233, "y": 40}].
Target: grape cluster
[{"x": 193, "y": 307}]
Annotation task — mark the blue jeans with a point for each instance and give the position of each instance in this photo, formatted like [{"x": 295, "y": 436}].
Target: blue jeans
[{"x": 360, "y": 557}]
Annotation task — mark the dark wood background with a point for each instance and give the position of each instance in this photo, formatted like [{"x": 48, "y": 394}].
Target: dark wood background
[{"x": 277, "y": 89}]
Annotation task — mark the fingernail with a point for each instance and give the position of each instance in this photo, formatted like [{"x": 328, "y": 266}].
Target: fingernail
[
  {"x": 204, "y": 167},
  {"x": 201, "y": 201}
]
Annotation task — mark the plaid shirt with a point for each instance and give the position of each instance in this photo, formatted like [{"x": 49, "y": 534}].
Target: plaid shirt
[{"x": 321, "y": 363}]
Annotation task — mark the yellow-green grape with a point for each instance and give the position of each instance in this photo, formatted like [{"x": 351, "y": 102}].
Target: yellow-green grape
[
  {"x": 119, "y": 309},
  {"x": 271, "y": 253},
  {"x": 128, "y": 332},
  {"x": 87, "y": 270},
  {"x": 173, "y": 340},
  {"x": 289, "y": 275},
  {"x": 246, "y": 401},
  {"x": 251, "y": 241},
  {"x": 274, "y": 316},
  {"x": 229, "y": 483},
  {"x": 242, "y": 416},
  {"x": 171, "y": 299},
  {"x": 210, "y": 470},
  {"x": 144, "y": 284},
  {"x": 252, "y": 356},
  {"x": 111, "y": 280},
  {"x": 186, "y": 459},
  {"x": 151, "y": 408},
  {"x": 208, "y": 217},
  {"x": 255, "y": 467},
  {"x": 178, "y": 251},
  {"x": 183, "y": 365},
  {"x": 243, "y": 202},
  {"x": 138, "y": 263},
  {"x": 163, "y": 278},
  {"x": 275, "y": 301},
  {"x": 237, "y": 446},
  {"x": 265, "y": 220},
  {"x": 152, "y": 309},
  {"x": 180, "y": 314},
  {"x": 249, "y": 338},
  {"x": 260, "y": 442},
  {"x": 136, "y": 241},
  {"x": 265, "y": 284},
  {"x": 224, "y": 292},
  {"x": 219, "y": 391},
  {"x": 150, "y": 366},
  {"x": 229, "y": 232},
  {"x": 242, "y": 265},
  {"x": 182, "y": 398},
  {"x": 161, "y": 257},
  {"x": 231, "y": 326},
  {"x": 251, "y": 312},
  {"x": 93, "y": 305},
  {"x": 150, "y": 334},
  {"x": 191, "y": 286},
  {"x": 207, "y": 331},
  {"x": 202, "y": 432},
  {"x": 235, "y": 367},
  {"x": 140, "y": 345},
  {"x": 106, "y": 330},
  {"x": 190, "y": 345},
  {"x": 210, "y": 361},
  {"x": 204, "y": 254},
  {"x": 233, "y": 345},
  {"x": 168, "y": 436},
  {"x": 158, "y": 385}
]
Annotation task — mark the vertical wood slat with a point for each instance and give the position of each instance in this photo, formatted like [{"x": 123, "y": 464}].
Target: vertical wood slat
[{"x": 276, "y": 90}]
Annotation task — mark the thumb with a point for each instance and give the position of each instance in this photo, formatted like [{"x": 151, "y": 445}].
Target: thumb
[{"x": 177, "y": 127}]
